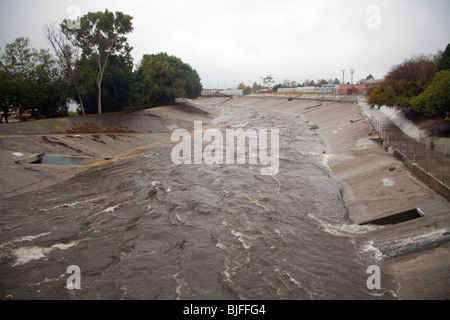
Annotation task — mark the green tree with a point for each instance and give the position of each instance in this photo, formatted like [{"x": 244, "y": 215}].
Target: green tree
[
  {"x": 118, "y": 81},
  {"x": 31, "y": 80},
  {"x": 256, "y": 87},
  {"x": 6, "y": 94},
  {"x": 166, "y": 78},
  {"x": 49, "y": 91},
  {"x": 17, "y": 65},
  {"x": 101, "y": 34},
  {"x": 242, "y": 86},
  {"x": 276, "y": 87},
  {"x": 435, "y": 100},
  {"x": 444, "y": 62},
  {"x": 85, "y": 76}
]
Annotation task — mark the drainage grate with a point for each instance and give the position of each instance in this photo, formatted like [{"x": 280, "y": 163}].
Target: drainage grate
[
  {"x": 59, "y": 160},
  {"x": 397, "y": 217}
]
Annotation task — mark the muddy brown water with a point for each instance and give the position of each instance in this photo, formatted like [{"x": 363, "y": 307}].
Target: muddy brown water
[{"x": 145, "y": 228}]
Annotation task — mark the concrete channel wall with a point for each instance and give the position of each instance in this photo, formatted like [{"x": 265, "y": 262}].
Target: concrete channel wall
[
  {"x": 438, "y": 185},
  {"x": 428, "y": 165}
]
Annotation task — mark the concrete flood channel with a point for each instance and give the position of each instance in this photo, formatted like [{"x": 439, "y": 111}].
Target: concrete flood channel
[{"x": 186, "y": 229}]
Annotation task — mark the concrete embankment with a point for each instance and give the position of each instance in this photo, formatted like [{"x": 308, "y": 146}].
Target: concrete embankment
[
  {"x": 376, "y": 185},
  {"x": 106, "y": 136}
]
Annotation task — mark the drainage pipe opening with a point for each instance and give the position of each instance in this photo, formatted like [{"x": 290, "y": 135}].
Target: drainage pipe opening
[{"x": 397, "y": 217}]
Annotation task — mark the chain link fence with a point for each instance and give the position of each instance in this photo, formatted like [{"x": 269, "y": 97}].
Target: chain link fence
[{"x": 428, "y": 160}]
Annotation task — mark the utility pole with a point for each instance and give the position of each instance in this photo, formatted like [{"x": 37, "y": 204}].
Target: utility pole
[
  {"x": 352, "y": 71},
  {"x": 343, "y": 77}
]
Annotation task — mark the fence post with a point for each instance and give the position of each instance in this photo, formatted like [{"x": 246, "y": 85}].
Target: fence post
[
  {"x": 407, "y": 147},
  {"x": 443, "y": 172}
]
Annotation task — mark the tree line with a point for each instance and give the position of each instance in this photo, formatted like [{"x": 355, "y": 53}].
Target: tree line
[
  {"x": 420, "y": 84},
  {"x": 90, "y": 62}
]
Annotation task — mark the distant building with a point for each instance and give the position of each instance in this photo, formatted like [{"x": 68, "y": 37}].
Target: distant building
[
  {"x": 350, "y": 89},
  {"x": 235, "y": 92},
  {"x": 321, "y": 89},
  {"x": 221, "y": 93},
  {"x": 210, "y": 92},
  {"x": 369, "y": 82}
]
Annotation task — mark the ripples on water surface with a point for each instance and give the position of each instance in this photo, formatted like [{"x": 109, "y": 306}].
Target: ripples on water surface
[{"x": 144, "y": 228}]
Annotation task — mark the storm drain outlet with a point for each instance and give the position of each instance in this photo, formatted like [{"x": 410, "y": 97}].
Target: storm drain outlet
[
  {"x": 397, "y": 218},
  {"x": 59, "y": 160}
]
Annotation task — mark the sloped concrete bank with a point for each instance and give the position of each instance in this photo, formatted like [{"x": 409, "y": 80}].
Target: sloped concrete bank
[
  {"x": 107, "y": 136},
  {"x": 422, "y": 128}
]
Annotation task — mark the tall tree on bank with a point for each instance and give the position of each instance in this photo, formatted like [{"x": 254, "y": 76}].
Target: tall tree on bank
[
  {"x": 404, "y": 82},
  {"x": 444, "y": 62},
  {"x": 100, "y": 35},
  {"x": 68, "y": 56}
]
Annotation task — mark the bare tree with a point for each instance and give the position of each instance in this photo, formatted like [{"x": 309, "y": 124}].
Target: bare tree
[{"x": 67, "y": 54}]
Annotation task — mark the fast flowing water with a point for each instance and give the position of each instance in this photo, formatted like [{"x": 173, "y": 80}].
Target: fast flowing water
[{"x": 145, "y": 228}]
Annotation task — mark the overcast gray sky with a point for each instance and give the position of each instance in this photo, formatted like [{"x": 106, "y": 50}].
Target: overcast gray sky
[{"x": 233, "y": 41}]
